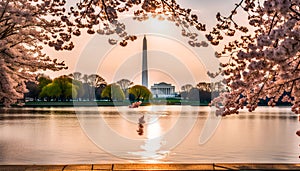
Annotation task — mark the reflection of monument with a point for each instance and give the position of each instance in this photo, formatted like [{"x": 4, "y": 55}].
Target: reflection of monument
[
  {"x": 145, "y": 65},
  {"x": 163, "y": 90}
]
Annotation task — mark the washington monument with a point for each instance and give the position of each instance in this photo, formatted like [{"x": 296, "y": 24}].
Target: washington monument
[{"x": 144, "y": 65}]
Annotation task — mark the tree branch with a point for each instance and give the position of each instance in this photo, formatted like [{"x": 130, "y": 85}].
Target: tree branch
[
  {"x": 4, "y": 9},
  {"x": 233, "y": 12},
  {"x": 105, "y": 9},
  {"x": 164, "y": 2},
  {"x": 257, "y": 95},
  {"x": 271, "y": 27},
  {"x": 296, "y": 12}
]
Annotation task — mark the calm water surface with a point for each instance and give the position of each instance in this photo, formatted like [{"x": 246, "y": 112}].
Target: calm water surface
[{"x": 69, "y": 135}]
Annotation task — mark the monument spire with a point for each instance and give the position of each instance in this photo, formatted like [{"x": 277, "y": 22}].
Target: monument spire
[{"x": 145, "y": 64}]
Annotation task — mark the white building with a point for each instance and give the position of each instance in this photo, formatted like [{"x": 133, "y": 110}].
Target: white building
[{"x": 163, "y": 90}]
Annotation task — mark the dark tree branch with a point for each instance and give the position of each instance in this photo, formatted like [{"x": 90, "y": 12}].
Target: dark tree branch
[
  {"x": 292, "y": 9},
  {"x": 105, "y": 9},
  {"x": 272, "y": 23}
]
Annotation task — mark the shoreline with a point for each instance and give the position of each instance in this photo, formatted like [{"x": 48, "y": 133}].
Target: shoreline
[
  {"x": 111, "y": 104},
  {"x": 100, "y": 103}
]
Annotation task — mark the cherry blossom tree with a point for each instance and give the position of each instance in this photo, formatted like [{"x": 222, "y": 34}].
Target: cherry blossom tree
[
  {"x": 24, "y": 25},
  {"x": 101, "y": 16},
  {"x": 263, "y": 63}
]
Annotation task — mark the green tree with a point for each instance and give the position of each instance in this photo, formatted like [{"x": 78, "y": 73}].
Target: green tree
[
  {"x": 33, "y": 90},
  {"x": 35, "y": 87},
  {"x": 75, "y": 76},
  {"x": 206, "y": 92},
  {"x": 113, "y": 92},
  {"x": 186, "y": 87},
  {"x": 43, "y": 81},
  {"x": 51, "y": 91},
  {"x": 68, "y": 89},
  {"x": 194, "y": 94},
  {"x": 94, "y": 81},
  {"x": 65, "y": 84},
  {"x": 203, "y": 86},
  {"x": 79, "y": 93},
  {"x": 98, "y": 91},
  {"x": 92, "y": 85},
  {"x": 124, "y": 84},
  {"x": 140, "y": 93},
  {"x": 61, "y": 88},
  {"x": 85, "y": 78},
  {"x": 184, "y": 94}
]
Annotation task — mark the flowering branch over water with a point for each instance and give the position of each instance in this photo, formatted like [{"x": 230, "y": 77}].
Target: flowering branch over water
[
  {"x": 23, "y": 28},
  {"x": 102, "y": 16},
  {"x": 264, "y": 64}
]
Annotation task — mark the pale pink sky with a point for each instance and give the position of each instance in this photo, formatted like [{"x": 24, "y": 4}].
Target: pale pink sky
[{"x": 170, "y": 58}]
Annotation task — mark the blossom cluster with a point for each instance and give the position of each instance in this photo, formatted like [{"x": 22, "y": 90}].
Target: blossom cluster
[
  {"x": 23, "y": 29},
  {"x": 266, "y": 63},
  {"x": 102, "y": 17}
]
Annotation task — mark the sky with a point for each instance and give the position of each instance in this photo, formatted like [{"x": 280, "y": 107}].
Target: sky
[{"x": 170, "y": 58}]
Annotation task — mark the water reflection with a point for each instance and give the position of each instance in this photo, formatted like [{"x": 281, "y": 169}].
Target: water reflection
[
  {"x": 141, "y": 121},
  {"x": 151, "y": 147},
  {"x": 53, "y": 135}
]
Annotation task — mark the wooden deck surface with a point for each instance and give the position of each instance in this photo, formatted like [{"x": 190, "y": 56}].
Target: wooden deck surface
[{"x": 141, "y": 166}]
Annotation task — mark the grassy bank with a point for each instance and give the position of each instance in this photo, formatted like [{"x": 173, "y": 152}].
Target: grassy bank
[
  {"x": 75, "y": 103},
  {"x": 108, "y": 103}
]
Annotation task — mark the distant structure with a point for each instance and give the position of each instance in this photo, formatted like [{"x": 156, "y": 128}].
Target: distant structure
[
  {"x": 158, "y": 90},
  {"x": 145, "y": 64},
  {"x": 163, "y": 90}
]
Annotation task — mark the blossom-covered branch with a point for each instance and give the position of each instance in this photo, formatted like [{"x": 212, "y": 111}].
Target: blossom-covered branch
[
  {"x": 266, "y": 65},
  {"x": 102, "y": 17},
  {"x": 23, "y": 29}
]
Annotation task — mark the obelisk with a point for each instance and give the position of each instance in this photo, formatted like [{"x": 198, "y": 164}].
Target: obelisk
[{"x": 145, "y": 64}]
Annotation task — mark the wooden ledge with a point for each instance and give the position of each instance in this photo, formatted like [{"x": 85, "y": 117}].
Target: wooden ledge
[{"x": 160, "y": 167}]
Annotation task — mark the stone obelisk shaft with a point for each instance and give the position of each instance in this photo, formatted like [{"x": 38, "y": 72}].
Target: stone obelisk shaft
[{"x": 145, "y": 64}]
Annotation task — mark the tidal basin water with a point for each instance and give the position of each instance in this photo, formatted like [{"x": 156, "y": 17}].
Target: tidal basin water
[{"x": 146, "y": 134}]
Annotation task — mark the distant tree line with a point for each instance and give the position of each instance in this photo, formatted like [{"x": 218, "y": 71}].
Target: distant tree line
[
  {"x": 83, "y": 87},
  {"x": 74, "y": 86},
  {"x": 202, "y": 92}
]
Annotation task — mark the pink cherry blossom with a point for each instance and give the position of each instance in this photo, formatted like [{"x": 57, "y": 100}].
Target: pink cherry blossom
[{"x": 269, "y": 56}]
